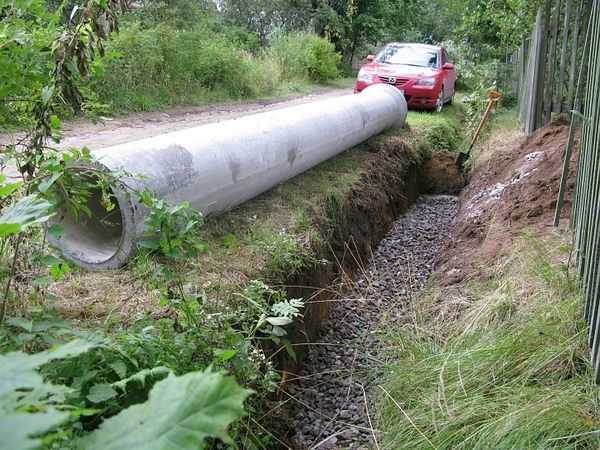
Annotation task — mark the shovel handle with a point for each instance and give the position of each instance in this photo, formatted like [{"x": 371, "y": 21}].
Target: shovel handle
[{"x": 493, "y": 97}]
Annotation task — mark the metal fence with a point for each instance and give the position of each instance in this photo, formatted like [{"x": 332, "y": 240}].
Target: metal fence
[
  {"x": 559, "y": 71},
  {"x": 585, "y": 217}
]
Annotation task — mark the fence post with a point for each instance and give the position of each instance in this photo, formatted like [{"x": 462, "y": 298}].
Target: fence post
[
  {"x": 549, "y": 85},
  {"x": 571, "y": 138},
  {"x": 559, "y": 90},
  {"x": 574, "y": 49},
  {"x": 536, "y": 71},
  {"x": 523, "y": 85}
]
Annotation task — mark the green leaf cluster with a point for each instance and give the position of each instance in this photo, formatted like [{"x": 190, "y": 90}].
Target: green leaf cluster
[
  {"x": 181, "y": 413},
  {"x": 29, "y": 406}
]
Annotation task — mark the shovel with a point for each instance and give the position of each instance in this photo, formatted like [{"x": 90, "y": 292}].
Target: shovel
[{"x": 493, "y": 97}]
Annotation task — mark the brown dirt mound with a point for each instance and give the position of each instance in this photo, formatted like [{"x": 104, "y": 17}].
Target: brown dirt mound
[{"x": 513, "y": 192}]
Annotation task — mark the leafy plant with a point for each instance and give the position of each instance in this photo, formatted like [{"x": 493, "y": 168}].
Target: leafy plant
[
  {"x": 56, "y": 396},
  {"x": 271, "y": 312},
  {"x": 29, "y": 406},
  {"x": 171, "y": 230},
  {"x": 38, "y": 331},
  {"x": 444, "y": 135},
  {"x": 193, "y": 407}
]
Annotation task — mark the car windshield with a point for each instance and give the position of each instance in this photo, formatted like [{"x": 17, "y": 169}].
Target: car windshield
[{"x": 408, "y": 55}]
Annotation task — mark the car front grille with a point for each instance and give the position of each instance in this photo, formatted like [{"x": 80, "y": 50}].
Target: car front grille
[{"x": 390, "y": 80}]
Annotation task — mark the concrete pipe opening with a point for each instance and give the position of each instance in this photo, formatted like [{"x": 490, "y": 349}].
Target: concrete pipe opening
[{"x": 98, "y": 238}]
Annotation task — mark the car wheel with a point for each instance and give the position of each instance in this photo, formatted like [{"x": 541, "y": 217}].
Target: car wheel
[{"x": 439, "y": 104}]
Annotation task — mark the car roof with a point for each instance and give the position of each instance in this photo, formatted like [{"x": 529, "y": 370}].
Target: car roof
[{"x": 411, "y": 44}]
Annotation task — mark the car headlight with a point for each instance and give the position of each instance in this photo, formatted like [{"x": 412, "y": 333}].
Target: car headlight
[
  {"x": 364, "y": 75},
  {"x": 426, "y": 81}
]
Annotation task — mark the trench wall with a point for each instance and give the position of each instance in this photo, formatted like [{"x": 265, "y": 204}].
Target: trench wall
[{"x": 353, "y": 225}]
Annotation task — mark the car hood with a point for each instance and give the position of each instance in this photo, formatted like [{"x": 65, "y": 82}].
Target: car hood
[{"x": 398, "y": 70}]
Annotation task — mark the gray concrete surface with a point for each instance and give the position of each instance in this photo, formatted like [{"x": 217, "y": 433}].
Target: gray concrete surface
[{"x": 218, "y": 166}]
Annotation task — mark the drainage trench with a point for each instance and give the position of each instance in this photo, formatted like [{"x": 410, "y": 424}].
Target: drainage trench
[{"x": 333, "y": 388}]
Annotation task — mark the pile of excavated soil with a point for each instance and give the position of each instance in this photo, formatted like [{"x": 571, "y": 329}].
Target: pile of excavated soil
[
  {"x": 513, "y": 192},
  {"x": 333, "y": 387}
]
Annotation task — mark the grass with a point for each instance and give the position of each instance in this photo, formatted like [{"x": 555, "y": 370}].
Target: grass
[
  {"x": 499, "y": 363},
  {"x": 160, "y": 100},
  {"x": 501, "y": 134},
  {"x": 442, "y": 131},
  {"x": 276, "y": 235}
]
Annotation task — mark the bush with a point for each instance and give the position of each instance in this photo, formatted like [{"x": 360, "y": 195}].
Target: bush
[
  {"x": 322, "y": 59},
  {"x": 158, "y": 66},
  {"x": 305, "y": 55},
  {"x": 444, "y": 135},
  {"x": 146, "y": 68}
]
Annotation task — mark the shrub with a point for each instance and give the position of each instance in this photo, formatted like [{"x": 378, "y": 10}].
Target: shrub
[
  {"x": 444, "y": 135},
  {"x": 305, "y": 55},
  {"x": 322, "y": 59},
  {"x": 158, "y": 66},
  {"x": 146, "y": 68}
]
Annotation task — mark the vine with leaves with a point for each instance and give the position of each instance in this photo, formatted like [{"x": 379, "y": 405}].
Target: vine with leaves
[{"x": 48, "y": 179}]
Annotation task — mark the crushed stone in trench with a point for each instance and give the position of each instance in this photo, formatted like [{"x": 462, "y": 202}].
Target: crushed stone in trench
[{"x": 332, "y": 388}]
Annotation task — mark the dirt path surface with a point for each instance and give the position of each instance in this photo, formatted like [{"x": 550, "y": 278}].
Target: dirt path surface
[
  {"x": 113, "y": 131},
  {"x": 332, "y": 389}
]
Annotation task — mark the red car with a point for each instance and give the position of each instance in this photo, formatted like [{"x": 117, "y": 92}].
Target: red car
[{"x": 422, "y": 72}]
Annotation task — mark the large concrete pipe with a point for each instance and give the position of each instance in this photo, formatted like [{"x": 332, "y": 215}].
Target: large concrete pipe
[{"x": 218, "y": 166}]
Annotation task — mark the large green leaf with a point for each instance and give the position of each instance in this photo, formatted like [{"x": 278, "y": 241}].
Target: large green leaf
[
  {"x": 18, "y": 429},
  {"x": 101, "y": 392},
  {"x": 181, "y": 412},
  {"x": 8, "y": 188},
  {"x": 27, "y": 211},
  {"x": 140, "y": 377},
  {"x": 25, "y": 396},
  {"x": 18, "y": 369}
]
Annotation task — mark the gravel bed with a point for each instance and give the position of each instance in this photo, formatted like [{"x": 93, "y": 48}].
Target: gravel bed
[{"x": 332, "y": 388}]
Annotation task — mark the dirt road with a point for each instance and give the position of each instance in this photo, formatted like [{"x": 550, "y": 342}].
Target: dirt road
[{"x": 113, "y": 131}]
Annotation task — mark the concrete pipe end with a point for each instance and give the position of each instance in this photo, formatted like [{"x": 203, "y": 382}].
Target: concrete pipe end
[
  {"x": 402, "y": 105},
  {"x": 103, "y": 239}
]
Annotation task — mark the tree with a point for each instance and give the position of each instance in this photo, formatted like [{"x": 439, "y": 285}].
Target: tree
[
  {"x": 263, "y": 17},
  {"x": 498, "y": 24}
]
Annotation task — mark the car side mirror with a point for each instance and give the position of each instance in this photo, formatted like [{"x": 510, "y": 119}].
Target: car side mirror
[
  {"x": 370, "y": 58},
  {"x": 448, "y": 66}
]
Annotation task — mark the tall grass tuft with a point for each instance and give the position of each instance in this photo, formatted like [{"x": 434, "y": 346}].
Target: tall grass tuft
[{"x": 509, "y": 371}]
